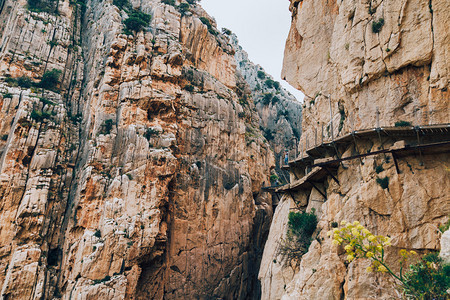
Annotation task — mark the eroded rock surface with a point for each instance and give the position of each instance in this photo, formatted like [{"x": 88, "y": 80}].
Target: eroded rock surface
[
  {"x": 138, "y": 176},
  {"x": 364, "y": 65},
  {"x": 280, "y": 112}
]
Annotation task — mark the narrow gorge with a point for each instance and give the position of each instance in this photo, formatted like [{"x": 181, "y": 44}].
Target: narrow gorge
[{"x": 142, "y": 152}]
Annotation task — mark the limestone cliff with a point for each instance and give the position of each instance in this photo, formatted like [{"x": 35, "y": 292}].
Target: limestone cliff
[
  {"x": 280, "y": 112},
  {"x": 362, "y": 65},
  {"x": 131, "y": 162}
]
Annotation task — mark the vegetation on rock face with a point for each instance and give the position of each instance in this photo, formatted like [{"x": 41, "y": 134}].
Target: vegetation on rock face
[
  {"x": 39, "y": 116},
  {"x": 183, "y": 8},
  {"x": 209, "y": 25},
  {"x": 427, "y": 279},
  {"x": 261, "y": 75},
  {"x": 42, "y": 5},
  {"x": 168, "y": 2},
  {"x": 402, "y": 124},
  {"x": 377, "y": 25},
  {"x": 121, "y": 4},
  {"x": 226, "y": 31},
  {"x": 383, "y": 182},
  {"x": 107, "y": 127},
  {"x": 136, "y": 21},
  {"x": 50, "y": 79},
  {"x": 267, "y": 98},
  {"x": 151, "y": 132},
  {"x": 444, "y": 227},
  {"x": 301, "y": 226},
  {"x": 274, "y": 178}
]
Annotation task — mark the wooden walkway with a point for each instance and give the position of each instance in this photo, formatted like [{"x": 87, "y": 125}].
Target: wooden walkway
[{"x": 323, "y": 160}]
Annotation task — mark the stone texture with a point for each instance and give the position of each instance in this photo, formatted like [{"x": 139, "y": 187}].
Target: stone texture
[
  {"x": 338, "y": 61},
  {"x": 280, "y": 112},
  {"x": 117, "y": 184}
]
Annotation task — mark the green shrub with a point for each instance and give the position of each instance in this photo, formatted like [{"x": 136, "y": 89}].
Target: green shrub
[
  {"x": 276, "y": 85},
  {"x": 183, "y": 8},
  {"x": 193, "y": 2},
  {"x": 227, "y": 31},
  {"x": 334, "y": 224},
  {"x": 261, "y": 75},
  {"x": 379, "y": 169},
  {"x": 98, "y": 233},
  {"x": 302, "y": 222},
  {"x": 121, "y": 4},
  {"x": 402, "y": 124},
  {"x": 267, "y": 98},
  {"x": 274, "y": 178},
  {"x": 137, "y": 21},
  {"x": 4, "y": 137},
  {"x": 209, "y": 25},
  {"x": 7, "y": 95},
  {"x": 39, "y": 116},
  {"x": 427, "y": 279},
  {"x": 269, "y": 83},
  {"x": 383, "y": 182},
  {"x": 25, "y": 82},
  {"x": 106, "y": 278},
  {"x": 189, "y": 88},
  {"x": 50, "y": 79},
  {"x": 301, "y": 226},
  {"x": 42, "y": 6},
  {"x": 377, "y": 25},
  {"x": 151, "y": 132},
  {"x": 168, "y": 2},
  {"x": 107, "y": 127},
  {"x": 46, "y": 101},
  {"x": 275, "y": 99}
]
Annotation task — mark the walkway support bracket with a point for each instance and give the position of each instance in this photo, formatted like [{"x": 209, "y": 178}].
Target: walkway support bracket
[{"x": 317, "y": 189}]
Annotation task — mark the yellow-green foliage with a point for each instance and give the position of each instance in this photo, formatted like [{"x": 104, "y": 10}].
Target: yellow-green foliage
[{"x": 427, "y": 279}]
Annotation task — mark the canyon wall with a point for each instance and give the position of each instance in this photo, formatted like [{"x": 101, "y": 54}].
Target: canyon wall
[
  {"x": 280, "y": 112},
  {"x": 365, "y": 64},
  {"x": 137, "y": 174}
]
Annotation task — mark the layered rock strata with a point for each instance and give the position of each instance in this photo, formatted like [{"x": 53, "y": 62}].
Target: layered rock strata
[
  {"x": 138, "y": 175},
  {"x": 365, "y": 65}
]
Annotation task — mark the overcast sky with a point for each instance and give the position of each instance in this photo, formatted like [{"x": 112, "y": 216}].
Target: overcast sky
[{"x": 261, "y": 26}]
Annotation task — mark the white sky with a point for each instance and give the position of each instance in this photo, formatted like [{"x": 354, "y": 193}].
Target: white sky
[{"x": 261, "y": 26}]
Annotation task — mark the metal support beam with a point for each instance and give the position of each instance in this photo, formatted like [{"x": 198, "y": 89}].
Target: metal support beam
[
  {"x": 331, "y": 174},
  {"x": 317, "y": 189},
  {"x": 395, "y": 162},
  {"x": 278, "y": 197},
  {"x": 356, "y": 148},
  {"x": 290, "y": 194}
]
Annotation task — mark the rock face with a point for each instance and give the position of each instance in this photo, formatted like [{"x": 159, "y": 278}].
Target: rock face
[
  {"x": 138, "y": 175},
  {"x": 364, "y": 65},
  {"x": 280, "y": 112}
]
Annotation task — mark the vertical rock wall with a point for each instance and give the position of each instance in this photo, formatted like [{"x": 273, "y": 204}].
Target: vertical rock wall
[
  {"x": 138, "y": 176},
  {"x": 280, "y": 112},
  {"x": 364, "y": 65}
]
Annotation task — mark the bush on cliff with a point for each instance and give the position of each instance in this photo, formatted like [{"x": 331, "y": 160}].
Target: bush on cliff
[
  {"x": 50, "y": 79},
  {"x": 48, "y": 6},
  {"x": 209, "y": 25},
  {"x": 136, "y": 21},
  {"x": 301, "y": 226}
]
